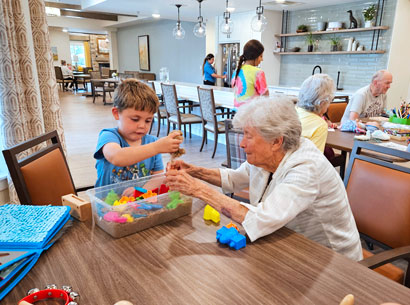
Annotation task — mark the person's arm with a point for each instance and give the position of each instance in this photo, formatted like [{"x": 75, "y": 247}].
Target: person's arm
[
  {"x": 124, "y": 156},
  {"x": 358, "y": 103},
  {"x": 319, "y": 137},
  {"x": 211, "y": 176},
  {"x": 218, "y": 76},
  {"x": 183, "y": 182},
  {"x": 260, "y": 84},
  {"x": 353, "y": 115}
]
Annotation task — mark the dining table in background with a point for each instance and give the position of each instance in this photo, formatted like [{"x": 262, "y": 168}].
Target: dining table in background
[{"x": 180, "y": 262}]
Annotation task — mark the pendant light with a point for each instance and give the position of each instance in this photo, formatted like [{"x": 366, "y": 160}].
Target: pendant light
[
  {"x": 178, "y": 31},
  {"x": 200, "y": 27},
  {"x": 226, "y": 25},
  {"x": 258, "y": 23}
]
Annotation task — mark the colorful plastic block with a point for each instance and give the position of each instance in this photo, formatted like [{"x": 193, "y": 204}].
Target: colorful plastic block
[
  {"x": 149, "y": 194},
  {"x": 137, "y": 193},
  {"x": 138, "y": 215},
  {"x": 231, "y": 237},
  {"x": 155, "y": 190},
  {"x": 140, "y": 189},
  {"x": 129, "y": 217},
  {"x": 112, "y": 196},
  {"x": 175, "y": 200},
  {"x": 163, "y": 189},
  {"x": 232, "y": 225},
  {"x": 211, "y": 214},
  {"x": 114, "y": 217}
]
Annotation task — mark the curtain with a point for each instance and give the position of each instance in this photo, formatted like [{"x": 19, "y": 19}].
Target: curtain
[
  {"x": 29, "y": 102},
  {"x": 87, "y": 54}
]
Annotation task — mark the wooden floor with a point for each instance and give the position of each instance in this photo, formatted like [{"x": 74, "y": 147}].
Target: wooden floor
[{"x": 82, "y": 122}]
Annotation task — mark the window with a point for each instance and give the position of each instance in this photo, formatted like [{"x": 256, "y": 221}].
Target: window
[{"x": 77, "y": 53}]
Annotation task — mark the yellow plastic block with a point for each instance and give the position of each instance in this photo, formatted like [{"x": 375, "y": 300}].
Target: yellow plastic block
[
  {"x": 129, "y": 217},
  {"x": 211, "y": 214}
]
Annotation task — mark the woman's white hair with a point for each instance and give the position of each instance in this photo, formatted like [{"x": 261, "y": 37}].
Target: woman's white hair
[
  {"x": 272, "y": 117},
  {"x": 315, "y": 92}
]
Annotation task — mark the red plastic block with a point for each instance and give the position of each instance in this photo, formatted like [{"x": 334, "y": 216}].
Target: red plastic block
[{"x": 163, "y": 189}]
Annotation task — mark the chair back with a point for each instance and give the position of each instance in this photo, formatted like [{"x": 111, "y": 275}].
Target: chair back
[
  {"x": 125, "y": 75},
  {"x": 42, "y": 177},
  {"x": 379, "y": 194},
  {"x": 234, "y": 152},
  {"x": 59, "y": 73},
  {"x": 105, "y": 72},
  {"x": 335, "y": 111},
  {"x": 169, "y": 95},
  {"x": 207, "y": 105},
  {"x": 135, "y": 74}
]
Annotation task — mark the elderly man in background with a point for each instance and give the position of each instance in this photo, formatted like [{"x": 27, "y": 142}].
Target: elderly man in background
[
  {"x": 370, "y": 100},
  {"x": 315, "y": 96},
  {"x": 290, "y": 181},
  {"x": 67, "y": 73}
]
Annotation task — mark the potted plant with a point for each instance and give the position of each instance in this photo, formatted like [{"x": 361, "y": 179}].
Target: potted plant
[
  {"x": 310, "y": 41},
  {"x": 302, "y": 28},
  {"x": 334, "y": 43},
  {"x": 369, "y": 15}
]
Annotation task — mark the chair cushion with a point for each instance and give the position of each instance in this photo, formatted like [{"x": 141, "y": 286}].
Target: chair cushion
[
  {"x": 163, "y": 113},
  {"x": 210, "y": 127},
  {"x": 48, "y": 178},
  {"x": 186, "y": 118},
  {"x": 388, "y": 270}
]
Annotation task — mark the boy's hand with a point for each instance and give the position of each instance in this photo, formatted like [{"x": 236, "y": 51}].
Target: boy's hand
[
  {"x": 169, "y": 143},
  {"x": 179, "y": 165}
]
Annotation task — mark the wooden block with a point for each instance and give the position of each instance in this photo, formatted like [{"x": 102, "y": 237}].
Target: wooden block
[{"x": 80, "y": 208}]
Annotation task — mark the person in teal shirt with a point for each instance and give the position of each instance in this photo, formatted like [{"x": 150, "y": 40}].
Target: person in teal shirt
[{"x": 209, "y": 72}]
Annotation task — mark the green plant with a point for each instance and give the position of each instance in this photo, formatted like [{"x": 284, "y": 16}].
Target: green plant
[
  {"x": 302, "y": 28},
  {"x": 334, "y": 41},
  {"x": 369, "y": 13},
  {"x": 309, "y": 39}
]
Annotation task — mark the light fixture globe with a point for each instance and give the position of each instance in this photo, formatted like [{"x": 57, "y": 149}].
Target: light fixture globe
[
  {"x": 200, "y": 30},
  {"x": 178, "y": 32},
  {"x": 258, "y": 23},
  {"x": 226, "y": 26}
]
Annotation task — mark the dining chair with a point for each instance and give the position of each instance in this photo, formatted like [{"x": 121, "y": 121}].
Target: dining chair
[
  {"x": 41, "y": 177},
  {"x": 235, "y": 154},
  {"x": 125, "y": 76},
  {"x": 99, "y": 87},
  {"x": 135, "y": 74},
  {"x": 379, "y": 196},
  {"x": 209, "y": 116},
  {"x": 105, "y": 72},
  {"x": 60, "y": 78},
  {"x": 172, "y": 107},
  {"x": 161, "y": 113}
]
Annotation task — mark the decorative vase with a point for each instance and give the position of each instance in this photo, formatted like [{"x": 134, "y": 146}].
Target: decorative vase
[
  {"x": 310, "y": 48},
  {"x": 369, "y": 23}
]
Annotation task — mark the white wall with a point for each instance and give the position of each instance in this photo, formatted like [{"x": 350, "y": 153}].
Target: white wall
[
  {"x": 399, "y": 59},
  {"x": 61, "y": 40},
  {"x": 182, "y": 57}
]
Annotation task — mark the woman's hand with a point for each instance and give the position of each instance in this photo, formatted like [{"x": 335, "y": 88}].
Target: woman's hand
[
  {"x": 181, "y": 181},
  {"x": 169, "y": 143},
  {"x": 179, "y": 165}
]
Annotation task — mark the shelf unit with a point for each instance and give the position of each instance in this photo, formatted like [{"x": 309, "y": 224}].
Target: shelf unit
[
  {"x": 375, "y": 40},
  {"x": 335, "y": 31},
  {"x": 331, "y": 53}
]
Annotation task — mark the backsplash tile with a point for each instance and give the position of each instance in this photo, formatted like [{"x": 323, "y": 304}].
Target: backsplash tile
[{"x": 356, "y": 70}]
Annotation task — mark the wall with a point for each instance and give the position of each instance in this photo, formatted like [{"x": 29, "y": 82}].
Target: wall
[
  {"x": 61, "y": 40},
  {"x": 356, "y": 70},
  {"x": 181, "y": 57},
  {"x": 399, "y": 59}
]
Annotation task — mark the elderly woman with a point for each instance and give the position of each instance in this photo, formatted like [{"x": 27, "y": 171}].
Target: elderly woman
[
  {"x": 315, "y": 95},
  {"x": 290, "y": 182}
]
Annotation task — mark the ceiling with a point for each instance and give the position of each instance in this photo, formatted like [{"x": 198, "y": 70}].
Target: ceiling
[{"x": 189, "y": 9}]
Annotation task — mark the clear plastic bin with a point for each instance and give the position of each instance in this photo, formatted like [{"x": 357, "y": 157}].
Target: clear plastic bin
[{"x": 138, "y": 216}]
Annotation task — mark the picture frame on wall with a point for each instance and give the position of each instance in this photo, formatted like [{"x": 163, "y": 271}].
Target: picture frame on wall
[
  {"x": 55, "y": 53},
  {"x": 102, "y": 46},
  {"x": 143, "y": 52}
]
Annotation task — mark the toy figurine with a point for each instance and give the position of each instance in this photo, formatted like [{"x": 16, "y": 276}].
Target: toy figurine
[{"x": 353, "y": 21}]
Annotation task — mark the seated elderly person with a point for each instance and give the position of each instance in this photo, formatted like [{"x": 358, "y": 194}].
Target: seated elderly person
[
  {"x": 290, "y": 181},
  {"x": 315, "y": 95}
]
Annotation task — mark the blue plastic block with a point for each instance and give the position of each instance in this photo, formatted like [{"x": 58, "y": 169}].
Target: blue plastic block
[
  {"x": 140, "y": 189},
  {"x": 231, "y": 237},
  {"x": 138, "y": 215}
]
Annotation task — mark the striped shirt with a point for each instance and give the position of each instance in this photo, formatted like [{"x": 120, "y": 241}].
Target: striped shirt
[{"x": 305, "y": 194}]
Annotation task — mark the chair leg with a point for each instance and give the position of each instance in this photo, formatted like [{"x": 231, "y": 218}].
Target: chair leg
[
  {"x": 159, "y": 127},
  {"x": 190, "y": 131},
  {"x": 104, "y": 101},
  {"x": 216, "y": 143},
  {"x": 179, "y": 126},
  {"x": 169, "y": 125},
  {"x": 204, "y": 135},
  {"x": 343, "y": 165},
  {"x": 152, "y": 123},
  {"x": 94, "y": 94}
]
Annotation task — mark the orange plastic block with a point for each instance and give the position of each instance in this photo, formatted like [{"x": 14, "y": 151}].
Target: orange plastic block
[
  {"x": 148, "y": 194},
  {"x": 232, "y": 225}
]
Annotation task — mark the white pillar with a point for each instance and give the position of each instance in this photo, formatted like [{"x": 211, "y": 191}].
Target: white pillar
[{"x": 112, "y": 36}]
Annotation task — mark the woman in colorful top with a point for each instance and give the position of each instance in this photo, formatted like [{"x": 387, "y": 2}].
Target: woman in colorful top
[
  {"x": 208, "y": 71},
  {"x": 249, "y": 81},
  {"x": 315, "y": 95}
]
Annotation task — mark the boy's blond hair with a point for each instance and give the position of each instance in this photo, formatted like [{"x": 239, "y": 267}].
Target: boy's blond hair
[{"x": 132, "y": 93}]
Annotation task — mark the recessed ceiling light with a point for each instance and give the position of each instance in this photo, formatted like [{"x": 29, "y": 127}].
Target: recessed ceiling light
[{"x": 156, "y": 15}]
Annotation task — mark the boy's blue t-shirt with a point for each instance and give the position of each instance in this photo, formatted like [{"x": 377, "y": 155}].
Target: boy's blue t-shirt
[
  {"x": 208, "y": 71},
  {"x": 108, "y": 173}
]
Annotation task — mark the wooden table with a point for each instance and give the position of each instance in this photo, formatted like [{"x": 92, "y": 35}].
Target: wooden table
[{"x": 180, "y": 262}]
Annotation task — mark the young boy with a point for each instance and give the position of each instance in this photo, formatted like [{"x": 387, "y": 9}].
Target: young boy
[{"x": 128, "y": 152}]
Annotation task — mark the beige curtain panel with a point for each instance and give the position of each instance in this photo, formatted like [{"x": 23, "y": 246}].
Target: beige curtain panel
[{"x": 29, "y": 102}]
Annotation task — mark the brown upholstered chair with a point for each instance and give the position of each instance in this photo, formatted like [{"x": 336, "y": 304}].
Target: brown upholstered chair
[
  {"x": 209, "y": 116},
  {"x": 60, "y": 78},
  {"x": 379, "y": 196},
  {"x": 135, "y": 74},
  {"x": 42, "y": 177},
  {"x": 174, "y": 116}
]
